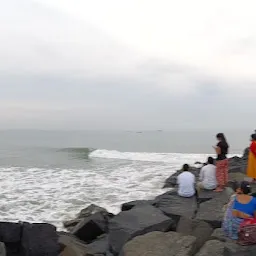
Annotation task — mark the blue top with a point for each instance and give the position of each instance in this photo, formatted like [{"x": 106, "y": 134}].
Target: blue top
[{"x": 248, "y": 208}]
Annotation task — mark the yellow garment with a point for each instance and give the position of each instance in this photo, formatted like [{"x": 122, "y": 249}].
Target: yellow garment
[{"x": 251, "y": 168}]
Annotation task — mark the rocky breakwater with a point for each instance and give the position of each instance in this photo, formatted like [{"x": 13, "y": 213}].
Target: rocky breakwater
[{"x": 167, "y": 225}]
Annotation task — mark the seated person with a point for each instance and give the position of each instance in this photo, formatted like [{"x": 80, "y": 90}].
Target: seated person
[
  {"x": 186, "y": 183},
  {"x": 207, "y": 176},
  {"x": 241, "y": 207}
]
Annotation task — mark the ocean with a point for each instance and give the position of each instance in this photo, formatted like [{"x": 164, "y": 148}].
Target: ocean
[{"x": 49, "y": 176}]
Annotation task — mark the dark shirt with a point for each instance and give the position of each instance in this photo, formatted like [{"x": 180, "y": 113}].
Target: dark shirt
[{"x": 223, "y": 150}]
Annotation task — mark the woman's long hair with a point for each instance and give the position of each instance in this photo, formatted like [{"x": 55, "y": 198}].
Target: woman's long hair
[{"x": 223, "y": 139}]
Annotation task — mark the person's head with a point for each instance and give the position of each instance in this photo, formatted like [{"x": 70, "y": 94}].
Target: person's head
[
  {"x": 210, "y": 160},
  {"x": 185, "y": 167},
  {"x": 253, "y": 137},
  {"x": 244, "y": 188},
  {"x": 221, "y": 137}
]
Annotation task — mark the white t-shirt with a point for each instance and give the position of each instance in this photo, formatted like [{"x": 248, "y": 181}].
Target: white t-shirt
[
  {"x": 186, "y": 182},
  {"x": 208, "y": 176}
]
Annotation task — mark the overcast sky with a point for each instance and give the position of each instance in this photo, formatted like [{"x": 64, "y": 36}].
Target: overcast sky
[{"x": 118, "y": 64}]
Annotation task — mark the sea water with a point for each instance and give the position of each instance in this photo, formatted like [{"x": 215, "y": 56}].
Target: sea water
[{"x": 49, "y": 176}]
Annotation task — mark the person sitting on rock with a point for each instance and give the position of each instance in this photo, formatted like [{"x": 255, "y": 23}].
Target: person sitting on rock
[
  {"x": 207, "y": 176},
  {"x": 241, "y": 207},
  {"x": 186, "y": 183}
]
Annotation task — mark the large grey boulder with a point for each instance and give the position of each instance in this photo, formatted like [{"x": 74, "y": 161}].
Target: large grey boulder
[
  {"x": 199, "y": 229},
  {"x": 212, "y": 211},
  {"x": 39, "y": 240},
  {"x": 92, "y": 227},
  {"x": 84, "y": 213},
  {"x": 129, "y": 205},
  {"x": 138, "y": 221},
  {"x": 212, "y": 248},
  {"x": 175, "y": 206},
  {"x": 160, "y": 244},
  {"x": 75, "y": 247},
  {"x": 2, "y": 249}
]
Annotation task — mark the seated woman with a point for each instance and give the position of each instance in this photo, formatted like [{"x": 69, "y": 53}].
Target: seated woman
[{"x": 241, "y": 207}]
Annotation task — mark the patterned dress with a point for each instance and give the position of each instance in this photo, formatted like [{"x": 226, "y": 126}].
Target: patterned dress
[{"x": 230, "y": 223}]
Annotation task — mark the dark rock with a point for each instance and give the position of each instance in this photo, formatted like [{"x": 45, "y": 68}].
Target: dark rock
[
  {"x": 246, "y": 154},
  {"x": 84, "y": 213},
  {"x": 128, "y": 206},
  {"x": 160, "y": 244},
  {"x": 73, "y": 247},
  {"x": 175, "y": 206},
  {"x": 212, "y": 248},
  {"x": 92, "y": 227},
  {"x": 10, "y": 232},
  {"x": 206, "y": 195},
  {"x": 138, "y": 221},
  {"x": 90, "y": 210},
  {"x": 233, "y": 249},
  {"x": 219, "y": 235},
  {"x": 99, "y": 246},
  {"x": 39, "y": 240},
  {"x": 2, "y": 249},
  {"x": 212, "y": 211},
  {"x": 199, "y": 229},
  {"x": 70, "y": 224}
]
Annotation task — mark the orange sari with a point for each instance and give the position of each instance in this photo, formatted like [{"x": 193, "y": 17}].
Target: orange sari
[{"x": 251, "y": 167}]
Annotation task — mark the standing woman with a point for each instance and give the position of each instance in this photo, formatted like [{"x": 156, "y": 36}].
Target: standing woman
[
  {"x": 222, "y": 162},
  {"x": 251, "y": 167}
]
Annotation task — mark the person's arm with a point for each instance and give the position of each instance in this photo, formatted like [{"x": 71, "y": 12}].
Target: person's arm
[
  {"x": 218, "y": 148},
  {"x": 201, "y": 175}
]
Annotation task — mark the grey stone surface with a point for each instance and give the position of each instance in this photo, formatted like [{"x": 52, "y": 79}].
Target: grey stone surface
[
  {"x": 219, "y": 235},
  {"x": 199, "y": 229},
  {"x": 160, "y": 244},
  {"x": 138, "y": 221},
  {"x": 212, "y": 211},
  {"x": 2, "y": 249},
  {"x": 91, "y": 227},
  {"x": 129, "y": 205},
  {"x": 84, "y": 213},
  {"x": 175, "y": 206},
  {"x": 39, "y": 240},
  {"x": 212, "y": 248}
]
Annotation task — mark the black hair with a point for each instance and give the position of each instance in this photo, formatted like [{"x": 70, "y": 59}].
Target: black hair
[
  {"x": 253, "y": 136},
  {"x": 235, "y": 185},
  {"x": 221, "y": 136},
  {"x": 223, "y": 139},
  {"x": 245, "y": 187},
  {"x": 210, "y": 160},
  {"x": 185, "y": 167}
]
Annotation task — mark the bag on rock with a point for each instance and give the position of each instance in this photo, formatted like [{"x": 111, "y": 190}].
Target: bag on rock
[{"x": 247, "y": 232}]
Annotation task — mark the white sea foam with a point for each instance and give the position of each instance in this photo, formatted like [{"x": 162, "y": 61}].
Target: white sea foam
[
  {"x": 150, "y": 157},
  {"x": 54, "y": 195}
]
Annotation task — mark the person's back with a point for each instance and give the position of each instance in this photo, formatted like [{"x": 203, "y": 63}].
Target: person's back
[
  {"x": 186, "y": 183},
  {"x": 208, "y": 175}
]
